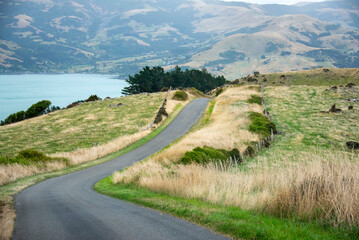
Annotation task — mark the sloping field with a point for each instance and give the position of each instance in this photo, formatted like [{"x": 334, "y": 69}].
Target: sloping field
[{"x": 81, "y": 126}]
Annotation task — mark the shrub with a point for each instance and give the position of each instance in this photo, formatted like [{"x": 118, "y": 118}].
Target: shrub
[
  {"x": 219, "y": 91},
  {"x": 164, "y": 89},
  {"x": 37, "y": 109},
  {"x": 207, "y": 154},
  {"x": 255, "y": 99},
  {"x": 30, "y": 156},
  {"x": 180, "y": 96},
  {"x": 260, "y": 124},
  {"x": 74, "y": 104},
  {"x": 13, "y": 118},
  {"x": 93, "y": 98}
]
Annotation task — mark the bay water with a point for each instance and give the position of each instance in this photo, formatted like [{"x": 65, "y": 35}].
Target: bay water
[{"x": 19, "y": 92}]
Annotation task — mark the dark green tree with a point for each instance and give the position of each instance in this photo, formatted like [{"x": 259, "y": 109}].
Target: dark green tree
[
  {"x": 13, "y": 118},
  {"x": 154, "y": 79},
  {"x": 37, "y": 109}
]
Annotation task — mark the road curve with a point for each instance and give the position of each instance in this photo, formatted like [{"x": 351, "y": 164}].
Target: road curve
[{"x": 66, "y": 207}]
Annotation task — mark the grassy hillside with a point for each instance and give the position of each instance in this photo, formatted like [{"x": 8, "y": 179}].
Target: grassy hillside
[
  {"x": 80, "y": 134},
  {"x": 82, "y": 126},
  {"x": 304, "y": 186},
  {"x": 127, "y": 121}
]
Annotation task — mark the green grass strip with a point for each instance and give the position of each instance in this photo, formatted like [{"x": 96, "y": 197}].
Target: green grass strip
[{"x": 231, "y": 221}]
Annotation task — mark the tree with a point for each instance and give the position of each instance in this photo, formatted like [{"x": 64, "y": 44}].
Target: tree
[
  {"x": 154, "y": 79},
  {"x": 37, "y": 109}
]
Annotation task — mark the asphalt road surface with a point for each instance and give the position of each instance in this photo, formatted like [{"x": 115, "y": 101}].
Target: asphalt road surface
[{"x": 66, "y": 207}]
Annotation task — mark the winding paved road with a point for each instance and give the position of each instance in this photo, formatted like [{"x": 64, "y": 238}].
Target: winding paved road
[{"x": 66, "y": 207}]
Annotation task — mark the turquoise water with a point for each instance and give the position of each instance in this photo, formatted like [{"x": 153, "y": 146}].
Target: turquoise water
[{"x": 19, "y": 92}]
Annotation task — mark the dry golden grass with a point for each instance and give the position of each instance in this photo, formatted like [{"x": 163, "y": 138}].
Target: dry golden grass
[
  {"x": 305, "y": 175},
  {"x": 321, "y": 185},
  {"x": 7, "y": 216},
  {"x": 9, "y": 173},
  {"x": 230, "y": 112},
  {"x": 87, "y": 154},
  {"x": 325, "y": 187},
  {"x": 227, "y": 129}
]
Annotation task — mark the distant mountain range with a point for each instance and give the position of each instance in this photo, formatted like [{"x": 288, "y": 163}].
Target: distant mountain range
[{"x": 229, "y": 38}]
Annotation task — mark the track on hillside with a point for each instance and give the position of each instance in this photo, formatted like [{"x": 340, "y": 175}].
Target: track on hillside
[{"x": 66, "y": 207}]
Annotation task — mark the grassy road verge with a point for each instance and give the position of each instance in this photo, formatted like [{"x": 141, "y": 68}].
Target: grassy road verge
[{"x": 231, "y": 221}]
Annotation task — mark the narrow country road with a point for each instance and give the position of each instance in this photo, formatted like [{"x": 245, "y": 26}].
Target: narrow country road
[{"x": 66, "y": 207}]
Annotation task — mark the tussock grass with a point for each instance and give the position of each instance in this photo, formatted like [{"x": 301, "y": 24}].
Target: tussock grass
[
  {"x": 322, "y": 186},
  {"x": 307, "y": 174}
]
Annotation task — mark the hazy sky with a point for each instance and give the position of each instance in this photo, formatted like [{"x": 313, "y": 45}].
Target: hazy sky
[{"x": 287, "y": 2}]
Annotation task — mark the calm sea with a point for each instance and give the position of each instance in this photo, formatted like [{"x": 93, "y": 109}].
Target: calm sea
[{"x": 19, "y": 92}]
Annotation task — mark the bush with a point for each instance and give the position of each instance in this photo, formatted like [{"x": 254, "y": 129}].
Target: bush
[
  {"x": 180, "y": 96},
  {"x": 37, "y": 109},
  {"x": 165, "y": 89},
  {"x": 13, "y": 118},
  {"x": 30, "y": 156},
  {"x": 260, "y": 124},
  {"x": 93, "y": 98},
  {"x": 255, "y": 99},
  {"x": 219, "y": 91},
  {"x": 207, "y": 154}
]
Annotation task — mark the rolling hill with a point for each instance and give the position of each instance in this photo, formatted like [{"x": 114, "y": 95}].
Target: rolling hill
[{"x": 229, "y": 38}]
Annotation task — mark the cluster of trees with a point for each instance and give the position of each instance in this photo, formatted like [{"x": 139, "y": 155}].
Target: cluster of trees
[
  {"x": 35, "y": 110},
  {"x": 154, "y": 79}
]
